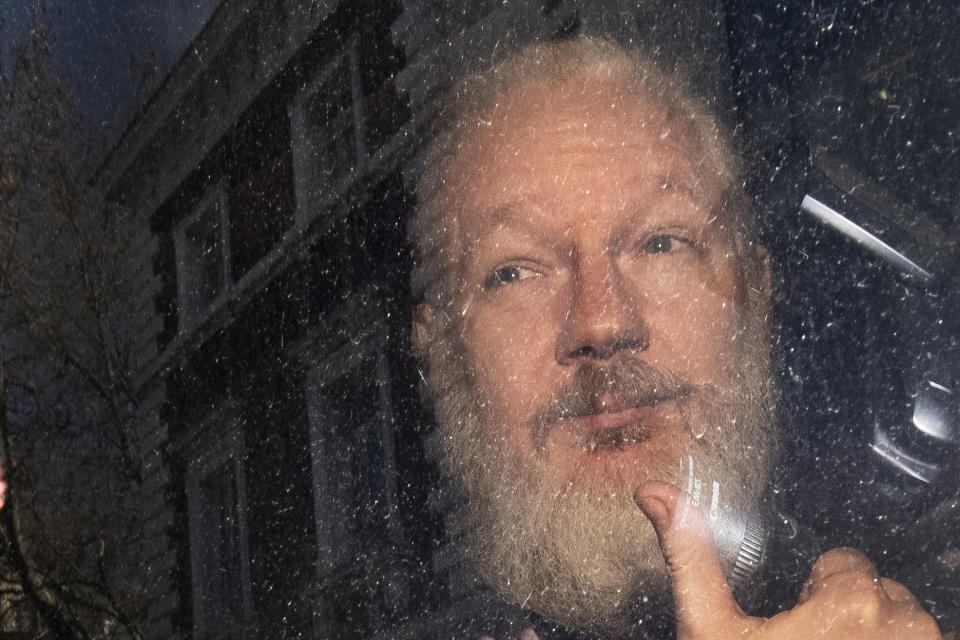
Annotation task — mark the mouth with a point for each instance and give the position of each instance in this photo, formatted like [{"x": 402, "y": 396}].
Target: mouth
[
  {"x": 612, "y": 424},
  {"x": 625, "y": 403}
]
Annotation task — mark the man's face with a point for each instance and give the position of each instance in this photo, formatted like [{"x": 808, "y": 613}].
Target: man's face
[
  {"x": 597, "y": 326},
  {"x": 590, "y": 233}
]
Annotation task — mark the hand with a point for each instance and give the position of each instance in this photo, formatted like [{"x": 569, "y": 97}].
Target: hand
[{"x": 843, "y": 598}]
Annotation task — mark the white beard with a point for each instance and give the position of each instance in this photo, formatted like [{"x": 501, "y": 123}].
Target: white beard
[{"x": 586, "y": 556}]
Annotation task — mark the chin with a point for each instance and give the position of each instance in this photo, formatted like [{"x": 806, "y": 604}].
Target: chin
[
  {"x": 606, "y": 472},
  {"x": 579, "y": 560},
  {"x": 556, "y": 529}
]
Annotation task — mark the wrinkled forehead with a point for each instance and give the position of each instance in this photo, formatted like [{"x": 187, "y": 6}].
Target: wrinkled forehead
[
  {"x": 544, "y": 126},
  {"x": 575, "y": 100},
  {"x": 608, "y": 111}
]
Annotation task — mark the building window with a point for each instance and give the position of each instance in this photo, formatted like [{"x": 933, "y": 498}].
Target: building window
[
  {"x": 203, "y": 255},
  {"x": 351, "y": 444},
  {"x": 219, "y": 556},
  {"x": 359, "y": 574},
  {"x": 327, "y": 122}
]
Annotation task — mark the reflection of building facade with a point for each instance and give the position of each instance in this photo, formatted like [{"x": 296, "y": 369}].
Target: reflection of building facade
[{"x": 286, "y": 485}]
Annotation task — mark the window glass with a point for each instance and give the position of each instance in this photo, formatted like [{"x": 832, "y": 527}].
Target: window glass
[
  {"x": 219, "y": 536},
  {"x": 465, "y": 277},
  {"x": 203, "y": 254}
]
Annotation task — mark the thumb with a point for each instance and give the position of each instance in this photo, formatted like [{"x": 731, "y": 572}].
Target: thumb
[{"x": 702, "y": 598}]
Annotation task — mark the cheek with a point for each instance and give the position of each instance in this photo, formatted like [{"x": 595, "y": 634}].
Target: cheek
[
  {"x": 693, "y": 328},
  {"x": 699, "y": 334},
  {"x": 511, "y": 350}
]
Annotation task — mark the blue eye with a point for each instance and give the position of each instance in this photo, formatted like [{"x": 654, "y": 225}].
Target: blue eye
[
  {"x": 663, "y": 243},
  {"x": 507, "y": 275}
]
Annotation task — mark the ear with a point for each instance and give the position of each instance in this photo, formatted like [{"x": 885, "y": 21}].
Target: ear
[{"x": 421, "y": 320}]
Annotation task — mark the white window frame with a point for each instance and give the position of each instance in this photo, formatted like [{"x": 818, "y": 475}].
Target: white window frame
[
  {"x": 217, "y": 449},
  {"x": 216, "y": 195},
  {"x": 305, "y": 150}
]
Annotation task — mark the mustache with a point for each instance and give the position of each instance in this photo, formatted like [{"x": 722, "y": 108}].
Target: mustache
[
  {"x": 626, "y": 383},
  {"x": 630, "y": 382}
]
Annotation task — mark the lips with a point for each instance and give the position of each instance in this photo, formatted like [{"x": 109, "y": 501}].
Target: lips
[
  {"x": 613, "y": 423},
  {"x": 609, "y": 405}
]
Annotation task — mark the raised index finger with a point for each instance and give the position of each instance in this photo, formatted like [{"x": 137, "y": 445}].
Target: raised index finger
[{"x": 702, "y": 598}]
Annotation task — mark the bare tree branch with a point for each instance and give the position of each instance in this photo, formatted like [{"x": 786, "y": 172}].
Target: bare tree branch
[{"x": 68, "y": 533}]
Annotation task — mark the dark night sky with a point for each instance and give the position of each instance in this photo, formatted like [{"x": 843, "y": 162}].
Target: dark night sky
[{"x": 102, "y": 46}]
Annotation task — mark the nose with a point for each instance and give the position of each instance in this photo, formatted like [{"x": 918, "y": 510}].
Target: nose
[{"x": 603, "y": 315}]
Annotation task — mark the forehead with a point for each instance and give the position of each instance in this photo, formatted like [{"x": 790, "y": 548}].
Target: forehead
[{"x": 580, "y": 143}]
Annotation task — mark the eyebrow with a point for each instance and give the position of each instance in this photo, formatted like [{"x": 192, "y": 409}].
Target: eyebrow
[
  {"x": 510, "y": 215},
  {"x": 679, "y": 187}
]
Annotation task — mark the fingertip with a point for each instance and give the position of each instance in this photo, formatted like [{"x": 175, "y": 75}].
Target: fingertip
[
  {"x": 660, "y": 490},
  {"x": 654, "y": 504},
  {"x": 841, "y": 560},
  {"x": 849, "y": 566},
  {"x": 670, "y": 509}
]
